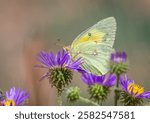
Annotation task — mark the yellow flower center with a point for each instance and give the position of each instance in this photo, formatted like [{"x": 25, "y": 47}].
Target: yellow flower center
[
  {"x": 9, "y": 102},
  {"x": 135, "y": 90}
]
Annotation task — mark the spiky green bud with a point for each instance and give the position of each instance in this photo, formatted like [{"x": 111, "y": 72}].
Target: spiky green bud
[
  {"x": 73, "y": 94},
  {"x": 98, "y": 93},
  {"x": 119, "y": 68},
  {"x": 60, "y": 78}
]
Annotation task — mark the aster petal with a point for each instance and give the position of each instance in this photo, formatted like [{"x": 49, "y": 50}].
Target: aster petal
[
  {"x": 52, "y": 58},
  {"x": 74, "y": 65},
  {"x": 146, "y": 94},
  {"x": 44, "y": 76},
  {"x": 132, "y": 93},
  {"x": 124, "y": 82},
  {"x": 91, "y": 78},
  {"x": 100, "y": 79},
  {"x": 112, "y": 56},
  {"x": 78, "y": 61},
  {"x": 12, "y": 93},
  {"x": 86, "y": 79},
  {"x": 124, "y": 55},
  {"x": 7, "y": 94},
  {"x": 81, "y": 70},
  {"x": 18, "y": 96},
  {"x": 43, "y": 57},
  {"x": 65, "y": 59},
  {"x": 24, "y": 97},
  {"x": 40, "y": 66},
  {"x": 58, "y": 58},
  {"x": 15, "y": 95},
  {"x": 68, "y": 62},
  {"x": 63, "y": 53},
  {"x": 109, "y": 80},
  {"x": 21, "y": 97}
]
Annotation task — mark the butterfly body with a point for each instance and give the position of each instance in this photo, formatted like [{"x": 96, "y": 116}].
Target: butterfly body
[{"x": 94, "y": 46}]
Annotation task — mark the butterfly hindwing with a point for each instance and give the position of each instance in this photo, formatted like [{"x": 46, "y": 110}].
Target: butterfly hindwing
[{"x": 95, "y": 58}]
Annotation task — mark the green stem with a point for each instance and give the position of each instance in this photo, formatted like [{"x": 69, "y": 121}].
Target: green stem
[
  {"x": 100, "y": 103},
  {"x": 117, "y": 90},
  {"x": 59, "y": 100},
  {"x": 88, "y": 101}
]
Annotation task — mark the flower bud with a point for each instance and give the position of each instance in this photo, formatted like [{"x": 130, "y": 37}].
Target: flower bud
[{"x": 73, "y": 94}]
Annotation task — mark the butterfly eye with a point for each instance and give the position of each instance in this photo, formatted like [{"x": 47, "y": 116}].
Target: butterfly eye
[{"x": 67, "y": 48}]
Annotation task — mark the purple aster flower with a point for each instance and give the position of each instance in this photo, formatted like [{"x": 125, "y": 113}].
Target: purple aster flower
[
  {"x": 132, "y": 94},
  {"x": 15, "y": 97},
  {"x": 107, "y": 80},
  {"x": 59, "y": 67},
  {"x": 133, "y": 89},
  {"x": 99, "y": 85},
  {"x": 119, "y": 63},
  {"x": 118, "y": 57},
  {"x": 49, "y": 61}
]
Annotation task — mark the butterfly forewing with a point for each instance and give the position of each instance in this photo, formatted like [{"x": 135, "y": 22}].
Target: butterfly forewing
[{"x": 104, "y": 30}]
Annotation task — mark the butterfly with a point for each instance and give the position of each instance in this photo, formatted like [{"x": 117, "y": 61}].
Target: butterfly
[{"x": 94, "y": 46}]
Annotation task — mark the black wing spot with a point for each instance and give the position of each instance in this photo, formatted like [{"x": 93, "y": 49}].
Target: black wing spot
[{"x": 89, "y": 34}]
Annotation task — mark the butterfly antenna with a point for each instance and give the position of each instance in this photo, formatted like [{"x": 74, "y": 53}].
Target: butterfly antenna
[{"x": 59, "y": 43}]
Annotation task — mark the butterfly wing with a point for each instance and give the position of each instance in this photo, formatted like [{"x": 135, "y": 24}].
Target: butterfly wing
[{"x": 94, "y": 46}]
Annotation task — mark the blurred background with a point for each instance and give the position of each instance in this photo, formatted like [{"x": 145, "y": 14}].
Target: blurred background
[{"x": 29, "y": 26}]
